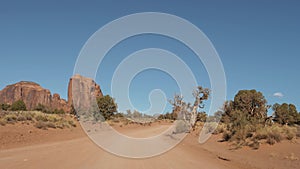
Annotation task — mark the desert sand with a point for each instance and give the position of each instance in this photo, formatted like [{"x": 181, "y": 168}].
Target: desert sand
[{"x": 25, "y": 147}]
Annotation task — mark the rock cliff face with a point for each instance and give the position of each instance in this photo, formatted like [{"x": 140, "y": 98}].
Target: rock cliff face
[
  {"x": 32, "y": 94},
  {"x": 82, "y": 91}
]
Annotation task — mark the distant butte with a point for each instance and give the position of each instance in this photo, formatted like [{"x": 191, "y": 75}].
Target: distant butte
[{"x": 33, "y": 94}]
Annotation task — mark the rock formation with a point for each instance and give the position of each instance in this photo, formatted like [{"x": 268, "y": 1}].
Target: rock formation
[
  {"x": 32, "y": 94},
  {"x": 82, "y": 92}
]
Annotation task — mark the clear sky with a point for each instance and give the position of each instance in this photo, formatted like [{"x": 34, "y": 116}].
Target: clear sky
[{"x": 257, "y": 41}]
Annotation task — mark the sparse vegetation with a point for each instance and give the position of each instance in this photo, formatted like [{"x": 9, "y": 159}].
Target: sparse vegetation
[
  {"x": 181, "y": 126},
  {"x": 39, "y": 119},
  {"x": 244, "y": 121},
  {"x": 47, "y": 110},
  {"x": 4, "y": 106},
  {"x": 188, "y": 111},
  {"x": 107, "y": 108},
  {"x": 18, "y": 106},
  {"x": 2, "y": 122},
  {"x": 286, "y": 114},
  {"x": 41, "y": 108},
  {"x": 169, "y": 116}
]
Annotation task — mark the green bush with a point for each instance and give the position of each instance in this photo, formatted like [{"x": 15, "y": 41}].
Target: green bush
[
  {"x": 60, "y": 111},
  {"x": 18, "y": 106},
  {"x": 107, "y": 108},
  {"x": 4, "y": 106},
  {"x": 41, "y": 108},
  {"x": 286, "y": 114}
]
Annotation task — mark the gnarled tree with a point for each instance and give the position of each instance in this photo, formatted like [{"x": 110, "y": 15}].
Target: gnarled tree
[{"x": 187, "y": 111}]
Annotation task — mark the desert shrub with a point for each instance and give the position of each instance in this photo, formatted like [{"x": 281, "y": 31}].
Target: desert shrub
[
  {"x": 244, "y": 115},
  {"x": 4, "y": 106},
  {"x": 254, "y": 144},
  {"x": 250, "y": 135},
  {"x": 10, "y": 117},
  {"x": 18, "y": 106},
  {"x": 226, "y": 136},
  {"x": 62, "y": 124},
  {"x": 239, "y": 136},
  {"x": 247, "y": 123},
  {"x": 290, "y": 132},
  {"x": 271, "y": 134},
  {"x": 41, "y": 125},
  {"x": 21, "y": 118},
  {"x": 220, "y": 129},
  {"x": 2, "y": 122},
  {"x": 42, "y": 108},
  {"x": 201, "y": 116},
  {"x": 107, "y": 108},
  {"x": 210, "y": 127},
  {"x": 50, "y": 125},
  {"x": 40, "y": 117},
  {"x": 41, "y": 120},
  {"x": 72, "y": 123},
  {"x": 44, "y": 125},
  {"x": 271, "y": 141},
  {"x": 60, "y": 111},
  {"x": 53, "y": 118},
  {"x": 298, "y": 131},
  {"x": 275, "y": 136},
  {"x": 261, "y": 136},
  {"x": 181, "y": 126},
  {"x": 28, "y": 116}
]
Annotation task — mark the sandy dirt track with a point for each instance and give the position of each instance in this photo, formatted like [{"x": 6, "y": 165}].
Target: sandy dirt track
[{"x": 82, "y": 153}]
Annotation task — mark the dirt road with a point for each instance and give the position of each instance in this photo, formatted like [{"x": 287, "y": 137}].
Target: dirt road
[
  {"x": 72, "y": 149},
  {"x": 82, "y": 153}
]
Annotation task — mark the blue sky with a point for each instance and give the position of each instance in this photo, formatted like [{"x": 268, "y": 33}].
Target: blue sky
[{"x": 257, "y": 41}]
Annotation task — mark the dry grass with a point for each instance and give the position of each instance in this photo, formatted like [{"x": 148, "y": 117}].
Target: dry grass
[
  {"x": 254, "y": 136},
  {"x": 214, "y": 128},
  {"x": 2, "y": 122},
  {"x": 298, "y": 131},
  {"x": 276, "y": 133},
  {"x": 40, "y": 120}
]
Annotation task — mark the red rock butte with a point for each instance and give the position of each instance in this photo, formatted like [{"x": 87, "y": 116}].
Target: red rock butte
[{"x": 33, "y": 94}]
